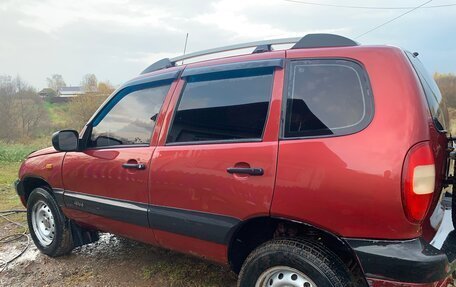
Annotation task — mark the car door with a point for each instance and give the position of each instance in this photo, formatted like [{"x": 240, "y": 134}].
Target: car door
[
  {"x": 326, "y": 162},
  {"x": 215, "y": 166},
  {"x": 106, "y": 185}
]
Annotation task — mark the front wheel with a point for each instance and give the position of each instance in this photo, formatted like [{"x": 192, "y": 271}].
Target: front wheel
[
  {"x": 295, "y": 263},
  {"x": 48, "y": 226}
]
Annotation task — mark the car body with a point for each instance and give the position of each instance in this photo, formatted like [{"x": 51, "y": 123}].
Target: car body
[{"x": 311, "y": 143}]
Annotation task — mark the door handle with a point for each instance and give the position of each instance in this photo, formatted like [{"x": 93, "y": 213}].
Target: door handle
[
  {"x": 255, "y": 171},
  {"x": 134, "y": 165}
]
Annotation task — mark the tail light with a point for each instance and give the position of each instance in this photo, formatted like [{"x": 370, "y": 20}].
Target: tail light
[{"x": 418, "y": 182}]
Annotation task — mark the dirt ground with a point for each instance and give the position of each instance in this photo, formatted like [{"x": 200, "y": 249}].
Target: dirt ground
[{"x": 112, "y": 261}]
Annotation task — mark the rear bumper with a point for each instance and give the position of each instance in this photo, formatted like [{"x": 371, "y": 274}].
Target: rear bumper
[
  {"x": 411, "y": 262},
  {"x": 385, "y": 283}
]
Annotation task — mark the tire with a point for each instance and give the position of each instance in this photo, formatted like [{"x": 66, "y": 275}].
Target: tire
[
  {"x": 301, "y": 262},
  {"x": 48, "y": 226}
]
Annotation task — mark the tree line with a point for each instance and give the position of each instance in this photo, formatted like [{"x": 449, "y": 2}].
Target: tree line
[
  {"x": 23, "y": 113},
  {"x": 89, "y": 84},
  {"x": 447, "y": 86}
]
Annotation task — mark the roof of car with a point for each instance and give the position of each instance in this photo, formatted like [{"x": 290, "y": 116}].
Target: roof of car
[
  {"x": 308, "y": 41},
  {"x": 169, "y": 69}
]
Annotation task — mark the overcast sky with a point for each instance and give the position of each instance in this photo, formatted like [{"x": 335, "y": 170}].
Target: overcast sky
[{"x": 117, "y": 39}]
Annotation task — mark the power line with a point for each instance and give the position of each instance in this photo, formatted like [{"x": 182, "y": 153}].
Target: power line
[
  {"x": 394, "y": 19},
  {"x": 366, "y": 7}
]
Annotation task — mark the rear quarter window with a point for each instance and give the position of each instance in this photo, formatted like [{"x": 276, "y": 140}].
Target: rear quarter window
[
  {"x": 436, "y": 103},
  {"x": 326, "y": 97}
]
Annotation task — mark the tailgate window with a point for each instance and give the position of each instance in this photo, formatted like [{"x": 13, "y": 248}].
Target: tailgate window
[{"x": 434, "y": 98}]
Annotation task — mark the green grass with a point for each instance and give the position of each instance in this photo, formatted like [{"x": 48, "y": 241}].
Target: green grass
[
  {"x": 17, "y": 152},
  {"x": 8, "y": 197},
  {"x": 58, "y": 113},
  {"x": 11, "y": 156},
  {"x": 8, "y": 172}
]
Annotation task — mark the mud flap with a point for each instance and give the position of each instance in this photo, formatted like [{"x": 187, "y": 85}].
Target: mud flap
[
  {"x": 451, "y": 176},
  {"x": 449, "y": 246},
  {"x": 82, "y": 236},
  {"x": 445, "y": 237}
]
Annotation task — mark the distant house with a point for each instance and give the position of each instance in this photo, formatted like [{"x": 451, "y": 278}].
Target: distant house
[
  {"x": 70, "y": 92},
  {"x": 47, "y": 93}
]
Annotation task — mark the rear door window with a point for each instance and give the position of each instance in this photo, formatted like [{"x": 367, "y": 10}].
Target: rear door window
[
  {"x": 228, "y": 106},
  {"x": 434, "y": 98},
  {"x": 326, "y": 98}
]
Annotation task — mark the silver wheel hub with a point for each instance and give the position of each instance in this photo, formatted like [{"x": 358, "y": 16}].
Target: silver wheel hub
[
  {"x": 283, "y": 276},
  {"x": 43, "y": 223}
]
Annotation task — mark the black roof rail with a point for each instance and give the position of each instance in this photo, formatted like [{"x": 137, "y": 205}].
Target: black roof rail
[
  {"x": 308, "y": 41},
  {"x": 161, "y": 64},
  {"x": 262, "y": 49},
  {"x": 323, "y": 40}
]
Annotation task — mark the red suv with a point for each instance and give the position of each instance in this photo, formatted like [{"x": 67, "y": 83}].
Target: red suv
[{"x": 321, "y": 165}]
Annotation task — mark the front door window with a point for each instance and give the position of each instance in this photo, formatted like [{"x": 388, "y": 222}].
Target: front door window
[{"x": 131, "y": 120}]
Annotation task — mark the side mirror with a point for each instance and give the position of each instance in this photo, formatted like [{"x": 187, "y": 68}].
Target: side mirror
[{"x": 66, "y": 140}]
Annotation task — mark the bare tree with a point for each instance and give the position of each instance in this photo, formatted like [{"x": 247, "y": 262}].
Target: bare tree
[
  {"x": 81, "y": 108},
  {"x": 32, "y": 116},
  {"x": 8, "y": 131},
  {"x": 89, "y": 83},
  {"x": 22, "y": 113},
  {"x": 105, "y": 88},
  {"x": 56, "y": 82},
  {"x": 447, "y": 85}
]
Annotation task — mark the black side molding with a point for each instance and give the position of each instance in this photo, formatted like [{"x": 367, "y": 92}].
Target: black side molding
[
  {"x": 121, "y": 210},
  {"x": 202, "y": 225},
  {"x": 58, "y": 194},
  {"x": 411, "y": 261}
]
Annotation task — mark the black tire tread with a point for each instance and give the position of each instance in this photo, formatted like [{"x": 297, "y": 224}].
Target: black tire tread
[
  {"x": 319, "y": 256},
  {"x": 65, "y": 244}
]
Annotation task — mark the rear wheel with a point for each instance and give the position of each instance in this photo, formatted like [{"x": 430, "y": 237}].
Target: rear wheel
[
  {"x": 48, "y": 226},
  {"x": 284, "y": 276},
  {"x": 296, "y": 263}
]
